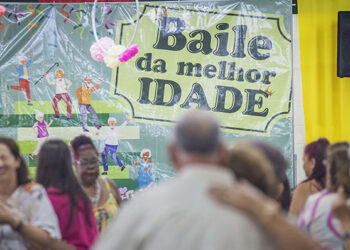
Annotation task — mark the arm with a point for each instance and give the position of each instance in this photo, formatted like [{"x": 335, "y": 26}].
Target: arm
[
  {"x": 123, "y": 125},
  {"x": 97, "y": 86},
  {"x": 69, "y": 83},
  {"x": 49, "y": 81},
  {"x": 150, "y": 166},
  {"x": 30, "y": 232},
  {"x": 29, "y": 59},
  {"x": 34, "y": 128},
  {"x": 115, "y": 192},
  {"x": 136, "y": 162},
  {"x": 342, "y": 211},
  {"x": 48, "y": 124},
  {"x": 18, "y": 68},
  {"x": 78, "y": 92},
  {"x": 265, "y": 212},
  {"x": 299, "y": 198}
]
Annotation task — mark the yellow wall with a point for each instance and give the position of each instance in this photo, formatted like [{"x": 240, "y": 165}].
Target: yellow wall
[{"x": 326, "y": 97}]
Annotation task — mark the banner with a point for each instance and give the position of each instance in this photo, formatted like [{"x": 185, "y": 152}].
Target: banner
[{"x": 230, "y": 58}]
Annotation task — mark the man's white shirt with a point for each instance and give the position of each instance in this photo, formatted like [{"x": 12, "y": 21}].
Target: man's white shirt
[
  {"x": 181, "y": 214},
  {"x": 62, "y": 84}
]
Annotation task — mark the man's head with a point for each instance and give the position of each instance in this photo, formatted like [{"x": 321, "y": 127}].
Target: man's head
[
  {"x": 88, "y": 82},
  {"x": 39, "y": 116},
  {"x": 196, "y": 139},
  {"x": 59, "y": 73},
  {"x": 112, "y": 122},
  {"x": 22, "y": 60}
]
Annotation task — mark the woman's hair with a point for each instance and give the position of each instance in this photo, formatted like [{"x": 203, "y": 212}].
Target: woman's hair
[
  {"x": 22, "y": 172},
  {"x": 248, "y": 162},
  {"x": 54, "y": 169},
  {"x": 338, "y": 162},
  {"x": 317, "y": 150},
  {"x": 280, "y": 166},
  {"x": 79, "y": 141}
]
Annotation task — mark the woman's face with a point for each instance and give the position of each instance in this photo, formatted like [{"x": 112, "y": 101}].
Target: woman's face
[
  {"x": 87, "y": 166},
  {"x": 8, "y": 163},
  {"x": 145, "y": 155},
  {"x": 309, "y": 165}
]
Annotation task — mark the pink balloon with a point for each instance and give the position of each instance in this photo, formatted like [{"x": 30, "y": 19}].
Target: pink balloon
[
  {"x": 2, "y": 10},
  {"x": 129, "y": 53},
  {"x": 96, "y": 52}
]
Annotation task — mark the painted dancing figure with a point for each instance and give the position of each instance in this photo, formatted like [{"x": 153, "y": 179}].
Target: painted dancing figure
[
  {"x": 144, "y": 176},
  {"x": 22, "y": 69},
  {"x": 84, "y": 99},
  {"x": 62, "y": 86},
  {"x": 40, "y": 129},
  {"x": 111, "y": 143}
]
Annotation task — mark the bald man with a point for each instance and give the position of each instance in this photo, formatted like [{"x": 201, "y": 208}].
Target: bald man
[{"x": 180, "y": 214}]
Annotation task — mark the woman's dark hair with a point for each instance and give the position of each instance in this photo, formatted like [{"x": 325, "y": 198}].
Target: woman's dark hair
[
  {"x": 280, "y": 167},
  {"x": 54, "y": 169},
  {"x": 317, "y": 150},
  {"x": 78, "y": 141},
  {"x": 338, "y": 160},
  {"x": 22, "y": 171}
]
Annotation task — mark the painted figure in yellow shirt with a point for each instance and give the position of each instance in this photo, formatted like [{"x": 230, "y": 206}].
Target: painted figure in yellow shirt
[{"x": 84, "y": 99}]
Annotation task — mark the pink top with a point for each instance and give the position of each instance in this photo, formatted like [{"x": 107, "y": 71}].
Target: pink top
[
  {"x": 42, "y": 130},
  {"x": 79, "y": 234}
]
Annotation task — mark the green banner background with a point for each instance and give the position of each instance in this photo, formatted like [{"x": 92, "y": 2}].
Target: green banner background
[{"x": 62, "y": 34}]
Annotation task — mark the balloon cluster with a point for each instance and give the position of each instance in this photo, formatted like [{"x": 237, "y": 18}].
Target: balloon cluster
[{"x": 113, "y": 55}]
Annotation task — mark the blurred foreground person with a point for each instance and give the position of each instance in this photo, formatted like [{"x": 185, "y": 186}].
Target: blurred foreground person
[
  {"x": 72, "y": 206},
  {"x": 265, "y": 211},
  {"x": 326, "y": 216},
  {"x": 247, "y": 162},
  {"x": 279, "y": 166},
  {"x": 180, "y": 214},
  {"x": 103, "y": 192},
  {"x": 27, "y": 219},
  {"x": 315, "y": 171}
]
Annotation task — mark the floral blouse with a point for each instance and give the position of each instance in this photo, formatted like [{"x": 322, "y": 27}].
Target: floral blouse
[{"x": 29, "y": 203}]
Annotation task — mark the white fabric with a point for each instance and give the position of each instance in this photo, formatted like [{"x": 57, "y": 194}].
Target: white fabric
[
  {"x": 34, "y": 207},
  {"x": 181, "y": 215},
  {"x": 318, "y": 227},
  {"x": 111, "y": 135},
  {"x": 61, "y": 84}
]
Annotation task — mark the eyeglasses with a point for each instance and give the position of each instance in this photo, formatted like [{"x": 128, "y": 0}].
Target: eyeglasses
[{"x": 86, "y": 163}]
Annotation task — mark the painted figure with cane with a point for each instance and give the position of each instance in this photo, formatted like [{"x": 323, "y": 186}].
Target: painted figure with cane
[{"x": 62, "y": 86}]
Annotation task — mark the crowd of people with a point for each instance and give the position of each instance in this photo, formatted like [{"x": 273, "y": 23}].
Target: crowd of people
[{"x": 224, "y": 196}]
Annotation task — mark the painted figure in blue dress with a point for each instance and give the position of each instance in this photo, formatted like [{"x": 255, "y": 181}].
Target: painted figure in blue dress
[{"x": 144, "y": 177}]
